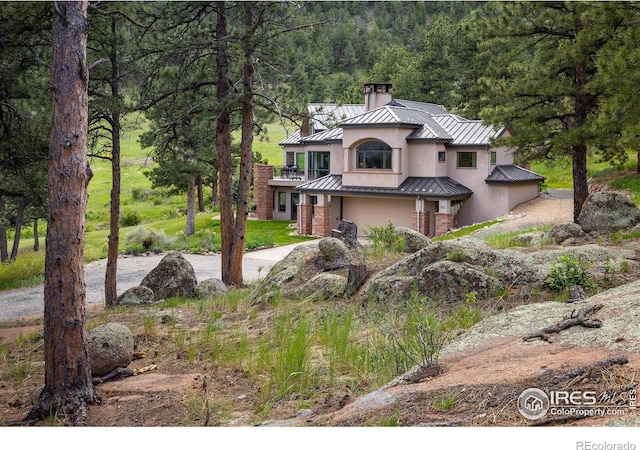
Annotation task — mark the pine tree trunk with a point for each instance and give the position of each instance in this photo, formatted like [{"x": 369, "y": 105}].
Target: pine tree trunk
[
  {"x": 68, "y": 385},
  {"x": 191, "y": 207},
  {"x": 200, "y": 189},
  {"x": 36, "y": 238},
  {"x": 22, "y": 204},
  {"x": 4, "y": 250},
  {"x": 223, "y": 142},
  {"x": 246, "y": 154},
  {"x": 580, "y": 180},
  {"x": 215, "y": 198},
  {"x": 110, "y": 278}
]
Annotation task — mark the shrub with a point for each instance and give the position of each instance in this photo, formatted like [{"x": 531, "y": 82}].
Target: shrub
[
  {"x": 145, "y": 239},
  {"x": 567, "y": 271},
  {"x": 130, "y": 218},
  {"x": 385, "y": 239}
]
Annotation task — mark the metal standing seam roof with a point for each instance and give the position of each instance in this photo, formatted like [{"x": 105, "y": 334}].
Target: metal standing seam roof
[
  {"x": 432, "y": 122},
  {"x": 327, "y": 115},
  {"x": 467, "y": 132},
  {"x": 509, "y": 174},
  {"x": 437, "y": 187}
]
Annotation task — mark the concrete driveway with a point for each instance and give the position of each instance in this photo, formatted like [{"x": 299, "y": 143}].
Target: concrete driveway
[{"x": 29, "y": 302}]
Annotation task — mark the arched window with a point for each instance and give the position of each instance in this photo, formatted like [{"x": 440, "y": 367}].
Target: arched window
[{"x": 373, "y": 155}]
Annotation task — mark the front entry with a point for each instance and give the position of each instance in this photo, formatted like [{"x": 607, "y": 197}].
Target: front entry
[{"x": 295, "y": 199}]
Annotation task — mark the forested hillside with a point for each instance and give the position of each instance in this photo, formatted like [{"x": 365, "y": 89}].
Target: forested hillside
[{"x": 563, "y": 75}]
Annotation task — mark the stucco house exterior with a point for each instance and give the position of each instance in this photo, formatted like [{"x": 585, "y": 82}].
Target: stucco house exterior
[{"x": 414, "y": 164}]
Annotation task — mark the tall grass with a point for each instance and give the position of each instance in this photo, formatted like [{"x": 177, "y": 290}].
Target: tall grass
[{"x": 26, "y": 270}]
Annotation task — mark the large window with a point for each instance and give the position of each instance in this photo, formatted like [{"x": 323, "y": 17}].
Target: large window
[
  {"x": 373, "y": 155},
  {"x": 318, "y": 164},
  {"x": 467, "y": 159}
]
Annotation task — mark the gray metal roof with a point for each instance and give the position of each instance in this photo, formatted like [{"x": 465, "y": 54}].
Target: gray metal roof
[
  {"x": 467, "y": 132},
  {"x": 292, "y": 139},
  {"x": 430, "y": 108},
  {"x": 328, "y": 115},
  {"x": 509, "y": 174},
  {"x": 332, "y": 134},
  {"x": 434, "y": 187},
  {"x": 432, "y": 122},
  {"x": 389, "y": 115}
]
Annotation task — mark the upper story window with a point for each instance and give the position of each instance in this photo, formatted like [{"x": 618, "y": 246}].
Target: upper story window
[
  {"x": 467, "y": 159},
  {"x": 373, "y": 155},
  {"x": 493, "y": 157}
]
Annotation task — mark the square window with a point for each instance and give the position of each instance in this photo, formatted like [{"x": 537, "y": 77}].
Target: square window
[
  {"x": 467, "y": 159},
  {"x": 442, "y": 156}
]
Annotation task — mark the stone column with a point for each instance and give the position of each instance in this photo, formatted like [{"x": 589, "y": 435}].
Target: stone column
[
  {"x": 421, "y": 222},
  {"x": 444, "y": 223},
  {"x": 322, "y": 220},
  {"x": 262, "y": 192},
  {"x": 305, "y": 218}
]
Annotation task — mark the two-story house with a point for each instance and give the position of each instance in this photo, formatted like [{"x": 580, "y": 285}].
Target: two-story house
[{"x": 414, "y": 164}]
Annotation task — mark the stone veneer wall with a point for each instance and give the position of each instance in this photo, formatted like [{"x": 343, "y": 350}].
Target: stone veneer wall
[
  {"x": 444, "y": 223},
  {"x": 322, "y": 220},
  {"x": 421, "y": 222},
  {"x": 262, "y": 192},
  {"x": 305, "y": 218}
]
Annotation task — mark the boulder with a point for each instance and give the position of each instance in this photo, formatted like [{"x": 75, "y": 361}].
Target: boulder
[
  {"x": 607, "y": 212},
  {"x": 563, "y": 231},
  {"x": 172, "y": 277},
  {"x": 303, "y": 262},
  {"x": 413, "y": 241},
  {"x": 137, "y": 295},
  {"x": 210, "y": 288},
  {"x": 532, "y": 239},
  {"x": 335, "y": 253},
  {"x": 324, "y": 286},
  {"x": 109, "y": 346}
]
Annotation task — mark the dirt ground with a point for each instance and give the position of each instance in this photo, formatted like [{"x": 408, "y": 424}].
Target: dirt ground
[{"x": 173, "y": 391}]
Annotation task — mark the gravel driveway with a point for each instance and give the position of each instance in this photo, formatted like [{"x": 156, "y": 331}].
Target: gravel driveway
[
  {"x": 26, "y": 302},
  {"x": 549, "y": 208}
]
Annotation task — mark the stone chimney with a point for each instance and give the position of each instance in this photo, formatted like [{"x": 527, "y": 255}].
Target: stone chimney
[
  {"x": 377, "y": 95},
  {"x": 304, "y": 130}
]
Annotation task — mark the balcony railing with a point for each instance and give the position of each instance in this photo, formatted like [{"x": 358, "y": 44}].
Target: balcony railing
[{"x": 291, "y": 173}]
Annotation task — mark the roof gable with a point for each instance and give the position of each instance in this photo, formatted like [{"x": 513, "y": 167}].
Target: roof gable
[{"x": 509, "y": 173}]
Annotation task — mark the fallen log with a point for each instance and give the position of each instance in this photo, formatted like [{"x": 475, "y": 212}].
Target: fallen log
[{"x": 573, "y": 321}]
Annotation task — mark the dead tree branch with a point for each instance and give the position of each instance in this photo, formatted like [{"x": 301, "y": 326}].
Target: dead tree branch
[{"x": 574, "y": 320}]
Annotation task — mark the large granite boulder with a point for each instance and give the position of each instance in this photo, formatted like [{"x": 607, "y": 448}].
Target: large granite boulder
[
  {"x": 335, "y": 253},
  {"x": 137, "y": 295},
  {"x": 606, "y": 212},
  {"x": 413, "y": 241},
  {"x": 172, "y": 277},
  {"x": 303, "y": 262},
  {"x": 563, "y": 231},
  {"x": 110, "y": 346},
  {"x": 210, "y": 288},
  {"x": 324, "y": 286}
]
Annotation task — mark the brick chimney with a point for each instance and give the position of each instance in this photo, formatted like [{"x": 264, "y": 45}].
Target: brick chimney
[{"x": 377, "y": 95}]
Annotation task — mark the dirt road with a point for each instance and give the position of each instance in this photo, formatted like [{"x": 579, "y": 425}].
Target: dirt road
[{"x": 26, "y": 302}]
